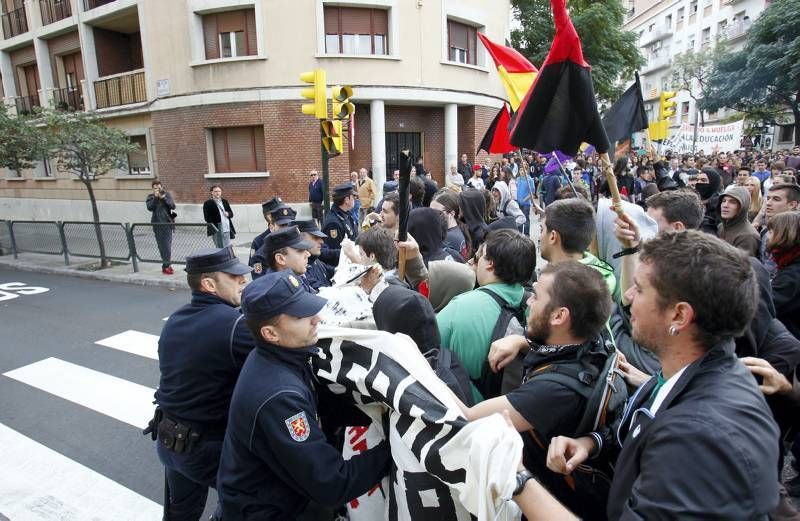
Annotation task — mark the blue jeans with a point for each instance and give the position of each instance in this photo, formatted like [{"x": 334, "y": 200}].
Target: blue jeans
[
  {"x": 526, "y": 228},
  {"x": 189, "y": 476}
]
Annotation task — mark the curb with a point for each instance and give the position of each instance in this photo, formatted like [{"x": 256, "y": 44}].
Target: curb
[{"x": 138, "y": 280}]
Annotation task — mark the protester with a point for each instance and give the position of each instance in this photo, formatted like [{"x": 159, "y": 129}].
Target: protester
[
  {"x": 217, "y": 211},
  {"x": 476, "y": 181},
  {"x": 446, "y": 280},
  {"x": 454, "y": 179},
  {"x": 734, "y": 228},
  {"x": 526, "y": 191},
  {"x": 753, "y": 186},
  {"x": 708, "y": 186},
  {"x": 161, "y": 205},
  {"x": 784, "y": 246},
  {"x": 506, "y": 206},
  {"x": 429, "y": 229},
  {"x": 465, "y": 168},
  {"x": 473, "y": 210},
  {"x": 780, "y": 198},
  {"x": 446, "y": 201}
]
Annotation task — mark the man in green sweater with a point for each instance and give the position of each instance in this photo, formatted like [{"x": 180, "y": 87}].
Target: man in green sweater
[{"x": 503, "y": 263}]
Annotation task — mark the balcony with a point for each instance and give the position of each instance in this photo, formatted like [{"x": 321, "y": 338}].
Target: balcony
[
  {"x": 659, "y": 33},
  {"x": 15, "y": 22},
  {"x": 54, "y": 10},
  {"x": 26, "y": 104},
  {"x": 120, "y": 89},
  {"x": 736, "y": 31},
  {"x": 650, "y": 94},
  {"x": 68, "y": 99},
  {"x": 657, "y": 62},
  {"x": 88, "y": 5}
]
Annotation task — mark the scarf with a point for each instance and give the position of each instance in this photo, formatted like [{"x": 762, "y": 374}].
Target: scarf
[{"x": 783, "y": 257}]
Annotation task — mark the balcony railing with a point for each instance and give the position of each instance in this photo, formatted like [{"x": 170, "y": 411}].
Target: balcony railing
[
  {"x": 26, "y": 104},
  {"x": 68, "y": 99},
  {"x": 657, "y": 62},
  {"x": 658, "y": 33},
  {"x": 15, "y": 22},
  {"x": 91, "y": 4},
  {"x": 120, "y": 89},
  {"x": 54, "y": 10},
  {"x": 736, "y": 30}
]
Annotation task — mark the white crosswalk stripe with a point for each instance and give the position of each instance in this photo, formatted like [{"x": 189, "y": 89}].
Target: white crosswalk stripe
[
  {"x": 38, "y": 483},
  {"x": 134, "y": 342}
]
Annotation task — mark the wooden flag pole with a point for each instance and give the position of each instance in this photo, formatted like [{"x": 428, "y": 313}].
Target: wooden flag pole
[{"x": 608, "y": 170}]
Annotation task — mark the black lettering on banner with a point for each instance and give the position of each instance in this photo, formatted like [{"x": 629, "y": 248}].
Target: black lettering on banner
[{"x": 422, "y": 487}]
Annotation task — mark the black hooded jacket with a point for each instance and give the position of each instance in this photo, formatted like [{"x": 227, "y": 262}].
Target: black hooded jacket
[
  {"x": 709, "y": 193},
  {"x": 429, "y": 229},
  {"x": 401, "y": 310},
  {"x": 473, "y": 208}
]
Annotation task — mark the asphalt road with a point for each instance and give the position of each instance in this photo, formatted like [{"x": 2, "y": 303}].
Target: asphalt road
[{"x": 78, "y": 409}]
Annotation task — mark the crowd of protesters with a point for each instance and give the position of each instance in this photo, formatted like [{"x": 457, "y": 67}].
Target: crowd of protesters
[{"x": 689, "y": 288}]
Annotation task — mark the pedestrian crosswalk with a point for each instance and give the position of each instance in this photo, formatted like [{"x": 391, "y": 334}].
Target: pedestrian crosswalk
[{"x": 39, "y": 483}]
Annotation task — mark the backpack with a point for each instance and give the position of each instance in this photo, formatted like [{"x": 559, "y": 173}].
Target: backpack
[
  {"x": 511, "y": 321},
  {"x": 448, "y": 368}
]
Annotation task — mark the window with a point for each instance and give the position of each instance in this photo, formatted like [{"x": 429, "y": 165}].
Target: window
[
  {"x": 356, "y": 31},
  {"x": 685, "y": 112},
  {"x": 665, "y": 83},
  {"x": 690, "y": 45},
  {"x": 693, "y": 7},
  {"x": 680, "y": 14},
  {"x": 786, "y": 134},
  {"x": 230, "y": 34},
  {"x": 668, "y": 21},
  {"x": 138, "y": 163},
  {"x": 461, "y": 42},
  {"x": 707, "y": 35},
  {"x": 239, "y": 149}
]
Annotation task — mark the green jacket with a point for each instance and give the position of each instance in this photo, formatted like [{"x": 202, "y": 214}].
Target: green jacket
[
  {"x": 606, "y": 271},
  {"x": 467, "y": 322}
]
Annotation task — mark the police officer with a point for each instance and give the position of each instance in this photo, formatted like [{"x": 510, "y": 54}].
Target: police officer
[
  {"x": 201, "y": 349},
  {"x": 276, "y": 457},
  {"x": 279, "y": 217},
  {"x": 266, "y": 209},
  {"x": 318, "y": 274},
  {"x": 286, "y": 250},
  {"x": 339, "y": 222}
]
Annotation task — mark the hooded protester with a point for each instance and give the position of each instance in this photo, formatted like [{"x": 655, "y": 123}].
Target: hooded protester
[
  {"x": 473, "y": 207},
  {"x": 401, "y": 310},
  {"x": 708, "y": 183},
  {"x": 446, "y": 201},
  {"x": 429, "y": 229},
  {"x": 447, "y": 280},
  {"x": 506, "y": 205},
  {"x": 734, "y": 227}
]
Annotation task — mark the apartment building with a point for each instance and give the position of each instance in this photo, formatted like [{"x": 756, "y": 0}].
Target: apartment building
[
  {"x": 210, "y": 91},
  {"x": 667, "y": 28}
]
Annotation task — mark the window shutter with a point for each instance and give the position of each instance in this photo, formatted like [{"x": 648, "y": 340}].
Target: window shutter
[
  {"x": 261, "y": 156},
  {"x": 331, "y": 20},
  {"x": 356, "y": 20},
  {"x": 240, "y": 149},
  {"x": 219, "y": 135},
  {"x": 458, "y": 35},
  {"x": 471, "y": 42},
  {"x": 250, "y": 33},
  {"x": 380, "y": 21},
  {"x": 138, "y": 158},
  {"x": 210, "y": 36},
  {"x": 231, "y": 21}
]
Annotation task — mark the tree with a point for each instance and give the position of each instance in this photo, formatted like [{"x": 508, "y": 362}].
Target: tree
[
  {"x": 85, "y": 147},
  {"x": 22, "y": 144},
  {"x": 763, "y": 79},
  {"x": 692, "y": 71},
  {"x": 612, "y": 52}
]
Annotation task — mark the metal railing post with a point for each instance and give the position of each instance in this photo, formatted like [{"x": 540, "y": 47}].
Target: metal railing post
[
  {"x": 132, "y": 247},
  {"x": 220, "y": 237},
  {"x": 13, "y": 240},
  {"x": 63, "y": 237}
]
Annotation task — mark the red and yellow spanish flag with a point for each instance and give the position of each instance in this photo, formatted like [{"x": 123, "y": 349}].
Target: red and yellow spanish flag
[
  {"x": 516, "y": 72},
  {"x": 560, "y": 110}
]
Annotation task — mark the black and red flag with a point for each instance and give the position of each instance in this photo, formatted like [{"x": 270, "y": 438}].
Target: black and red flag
[
  {"x": 495, "y": 141},
  {"x": 560, "y": 110}
]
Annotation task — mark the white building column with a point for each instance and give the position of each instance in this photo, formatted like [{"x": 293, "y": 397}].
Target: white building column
[
  {"x": 450, "y": 136},
  {"x": 7, "y": 71},
  {"x": 89, "y": 57},
  {"x": 377, "y": 121},
  {"x": 40, "y": 48}
]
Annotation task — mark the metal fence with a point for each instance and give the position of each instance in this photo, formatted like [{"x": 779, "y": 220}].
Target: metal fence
[{"x": 168, "y": 243}]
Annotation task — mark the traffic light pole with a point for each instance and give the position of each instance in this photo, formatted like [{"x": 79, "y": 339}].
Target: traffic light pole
[{"x": 326, "y": 204}]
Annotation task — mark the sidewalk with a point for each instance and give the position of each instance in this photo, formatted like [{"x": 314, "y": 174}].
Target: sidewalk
[{"x": 149, "y": 273}]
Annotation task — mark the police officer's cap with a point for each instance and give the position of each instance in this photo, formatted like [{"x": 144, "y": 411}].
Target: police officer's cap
[
  {"x": 311, "y": 227},
  {"x": 210, "y": 260},
  {"x": 283, "y": 215},
  {"x": 344, "y": 190},
  {"x": 270, "y": 205},
  {"x": 286, "y": 238},
  {"x": 278, "y": 293}
]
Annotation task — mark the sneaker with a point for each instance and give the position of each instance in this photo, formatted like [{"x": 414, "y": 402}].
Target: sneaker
[{"x": 168, "y": 270}]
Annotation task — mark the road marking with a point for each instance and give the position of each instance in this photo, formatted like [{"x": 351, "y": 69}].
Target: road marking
[
  {"x": 38, "y": 483},
  {"x": 135, "y": 342},
  {"x": 9, "y": 290},
  {"x": 120, "y": 399}
]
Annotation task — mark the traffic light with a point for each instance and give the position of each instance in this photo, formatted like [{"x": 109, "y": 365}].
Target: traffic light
[
  {"x": 317, "y": 93},
  {"x": 340, "y": 98},
  {"x": 332, "y": 136},
  {"x": 666, "y": 108}
]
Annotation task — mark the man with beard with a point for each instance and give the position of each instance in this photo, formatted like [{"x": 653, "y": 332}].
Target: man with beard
[
  {"x": 674, "y": 456},
  {"x": 567, "y": 310}
]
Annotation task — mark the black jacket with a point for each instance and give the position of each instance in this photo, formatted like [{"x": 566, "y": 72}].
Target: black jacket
[
  {"x": 786, "y": 294},
  {"x": 211, "y": 215},
  {"x": 711, "y": 452},
  {"x": 161, "y": 208}
]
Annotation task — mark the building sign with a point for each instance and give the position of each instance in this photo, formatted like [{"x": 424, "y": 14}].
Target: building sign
[
  {"x": 162, "y": 88},
  {"x": 710, "y": 139}
]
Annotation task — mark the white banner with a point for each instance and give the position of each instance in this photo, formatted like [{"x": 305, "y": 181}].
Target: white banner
[{"x": 710, "y": 139}]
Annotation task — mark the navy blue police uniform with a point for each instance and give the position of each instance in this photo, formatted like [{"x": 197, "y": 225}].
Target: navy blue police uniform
[
  {"x": 266, "y": 208},
  {"x": 286, "y": 238},
  {"x": 201, "y": 350},
  {"x": 318, "y": 274},
  {"x": 276, "y": 457},
  {"x": 338, "y": 224},
  {"x": 281, "y": 216}
]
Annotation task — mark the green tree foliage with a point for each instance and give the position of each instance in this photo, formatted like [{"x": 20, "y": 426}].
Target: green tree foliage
[
  {"x": 21, "y": 142},
  {"x": 692, "y": 70},
  {"x": 87, "y": 148},
  {"x": 612, "y": 52},
  {"x": 763, "y": 79}
]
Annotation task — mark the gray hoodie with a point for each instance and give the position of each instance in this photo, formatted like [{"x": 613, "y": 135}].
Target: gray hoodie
[
  {"x": 737, "y": 230},
  {"x": 507, "y": 206}
]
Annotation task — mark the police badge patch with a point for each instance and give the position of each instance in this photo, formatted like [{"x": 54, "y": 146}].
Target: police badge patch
[
  {"x": 257, "y": 268},
  {"x": 298, "y": 426},
  {"x": 333, "y": 233}
]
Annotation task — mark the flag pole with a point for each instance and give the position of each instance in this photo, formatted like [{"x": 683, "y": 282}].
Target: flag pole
[
  {"x": 565, "y": 174},
  {"x": 608, "y": 171}
]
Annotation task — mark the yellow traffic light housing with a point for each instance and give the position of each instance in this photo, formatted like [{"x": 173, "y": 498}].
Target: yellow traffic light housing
[
  {"x": 666, "y": 107},
  {"x": 332, "y": 136},
  {"x": 317, "y": 93},
  {"x": 343, "y": 108}
]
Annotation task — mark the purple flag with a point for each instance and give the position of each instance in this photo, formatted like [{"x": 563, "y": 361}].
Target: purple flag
[{"x": 552, "y": 165}]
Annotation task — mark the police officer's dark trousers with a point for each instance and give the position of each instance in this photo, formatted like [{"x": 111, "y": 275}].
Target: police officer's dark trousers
[{"x": 189, "y": 475}]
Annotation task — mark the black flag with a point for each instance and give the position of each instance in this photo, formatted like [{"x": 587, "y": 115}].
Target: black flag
[{"x": 627, "y": 115}]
